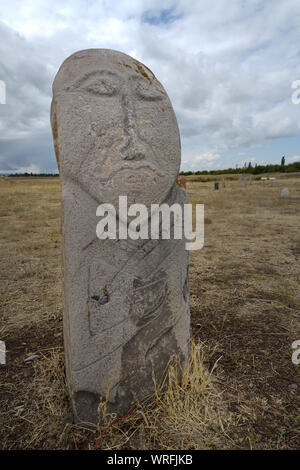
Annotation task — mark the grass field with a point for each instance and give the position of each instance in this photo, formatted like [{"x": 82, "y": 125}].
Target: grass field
[{"x": 242, "y": 390}]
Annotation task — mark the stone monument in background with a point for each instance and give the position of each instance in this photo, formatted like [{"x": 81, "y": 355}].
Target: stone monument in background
[{"x": 126, "y": 302}]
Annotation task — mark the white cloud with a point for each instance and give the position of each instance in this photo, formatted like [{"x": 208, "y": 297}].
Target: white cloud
[
  {"x": 22, "y": 169},
  {"x": 294, "y": 158},
  {"x": 206, "y": 161},
  {"x": 227, "y": 66}
]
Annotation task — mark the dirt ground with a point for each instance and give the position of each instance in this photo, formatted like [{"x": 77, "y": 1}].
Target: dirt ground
[{"x": 242, "y": 390}]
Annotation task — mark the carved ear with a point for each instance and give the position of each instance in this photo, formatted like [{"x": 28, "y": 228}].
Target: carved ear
[{"x": 53, "y": 119}]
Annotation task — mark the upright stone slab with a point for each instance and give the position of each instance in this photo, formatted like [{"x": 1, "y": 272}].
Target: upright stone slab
[
  {"x": 285, "y": 193},
  {"x": 126, "y": 306},
  {"x": 240, "y": 180}
]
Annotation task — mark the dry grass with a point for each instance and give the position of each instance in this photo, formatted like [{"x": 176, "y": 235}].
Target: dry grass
[
  {"x": 240, "y": 389},
  {"x": 185, "y": 413}
]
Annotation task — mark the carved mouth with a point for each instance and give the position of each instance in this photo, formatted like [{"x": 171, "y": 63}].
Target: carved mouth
[
  {"x": 135, "y": 168},
  {"x": 133, "y": 174},
  {"x": 142, "y": 174}
]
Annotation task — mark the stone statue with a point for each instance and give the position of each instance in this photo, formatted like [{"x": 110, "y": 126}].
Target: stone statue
[{"x": 126, "y": 309}]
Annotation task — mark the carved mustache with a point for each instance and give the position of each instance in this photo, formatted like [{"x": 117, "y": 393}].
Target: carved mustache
[{"x": 132, "y": 165}]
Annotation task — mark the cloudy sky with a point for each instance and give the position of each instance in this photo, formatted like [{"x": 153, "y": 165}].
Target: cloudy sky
[{"x": 228, "y": 67}]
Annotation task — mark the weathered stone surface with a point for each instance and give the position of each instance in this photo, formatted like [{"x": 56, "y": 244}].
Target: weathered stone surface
[{"x": 125, "y": 302}]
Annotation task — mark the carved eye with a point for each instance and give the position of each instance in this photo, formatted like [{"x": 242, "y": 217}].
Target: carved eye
[
  {"x": 98, "y": 84},
  {"x": 101, "y": 86},
  {"x": 147, "y": 91}
]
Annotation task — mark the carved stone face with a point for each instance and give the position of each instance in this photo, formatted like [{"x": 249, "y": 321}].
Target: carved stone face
[{"x": 114, "y": 128}]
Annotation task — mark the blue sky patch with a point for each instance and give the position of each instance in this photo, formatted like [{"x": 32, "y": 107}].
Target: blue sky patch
[{"x": 165, "y": 16}]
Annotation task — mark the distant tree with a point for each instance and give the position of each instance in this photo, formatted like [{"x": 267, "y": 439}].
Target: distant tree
[
  {"x": 283, "y": 161},
  {"x": 38, "y": 175},
  {"x": 255, "y": 170}
]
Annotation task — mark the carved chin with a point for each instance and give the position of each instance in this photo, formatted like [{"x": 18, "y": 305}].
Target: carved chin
[{"x": 141, "y": 187}]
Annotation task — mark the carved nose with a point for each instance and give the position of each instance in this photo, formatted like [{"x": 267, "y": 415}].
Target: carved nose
[{"x": 133, "y": 150}]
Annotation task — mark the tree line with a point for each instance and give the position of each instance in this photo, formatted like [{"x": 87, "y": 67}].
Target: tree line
[
  {"x": 40, "y": 175},
  {"x": 248, "y": 168}
]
